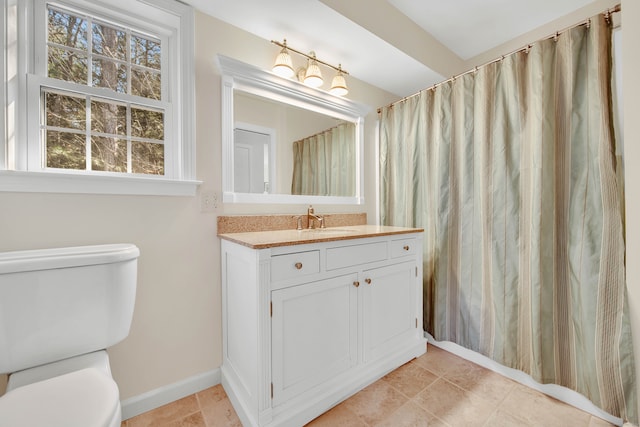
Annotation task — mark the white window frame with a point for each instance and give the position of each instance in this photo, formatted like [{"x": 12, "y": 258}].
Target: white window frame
[{"x": 21, "y": 148}]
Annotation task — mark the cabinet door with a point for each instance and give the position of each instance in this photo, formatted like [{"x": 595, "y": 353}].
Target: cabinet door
[
  {"x": 313, "y": 332},
  {"x": 389, "y": 308}
]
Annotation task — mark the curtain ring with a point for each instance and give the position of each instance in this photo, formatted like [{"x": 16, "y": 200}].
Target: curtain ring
[
  {"x": 588, "y": 23},
  {"x": 555, "y": 36}
]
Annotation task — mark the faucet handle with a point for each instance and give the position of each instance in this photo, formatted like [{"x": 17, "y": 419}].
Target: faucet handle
[{"x": 298, "y": 222}]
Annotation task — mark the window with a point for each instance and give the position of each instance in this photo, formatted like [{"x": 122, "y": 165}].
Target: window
[{"x": 108, "y": 98}]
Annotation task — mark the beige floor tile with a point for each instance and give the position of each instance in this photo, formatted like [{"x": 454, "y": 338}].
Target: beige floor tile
[
  {"x": 454, "y": 405},
  {"x": 535, "y": 408},
  {"x": 599, "y": 422},
  {"x": 193, "y": 420},
  {"x": 439, "y": 361},
  {"x": 375, "y": 402},
  {"x": 410, "y": 379},
  {"x": 411, "y": 415},
  {"x": 211, "y": 394},
  {"x": 505, "y": 419},
  {"x": 220, "y": 414},
  {"x": 216, "y": 407},
  {"x": 166, "y": 414},
  {"x": 339, "y": 416},
  {"x": 435, "y": 390},
  {"x": 490, "y": 385}
]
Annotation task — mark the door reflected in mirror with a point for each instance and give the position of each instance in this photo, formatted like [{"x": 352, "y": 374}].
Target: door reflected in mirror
[
  {"x": 283, "y": 149},
  {"x": 251, "y": 161}
]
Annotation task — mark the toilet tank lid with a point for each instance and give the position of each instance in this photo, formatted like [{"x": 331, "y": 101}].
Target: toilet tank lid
[{"x": 77, "y": 256}]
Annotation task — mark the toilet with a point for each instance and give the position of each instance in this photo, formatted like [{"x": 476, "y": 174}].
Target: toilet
[{"x": 59, "y": 310}]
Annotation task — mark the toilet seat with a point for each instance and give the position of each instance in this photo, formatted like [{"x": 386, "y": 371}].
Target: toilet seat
[{"x": 84, "y": 398}]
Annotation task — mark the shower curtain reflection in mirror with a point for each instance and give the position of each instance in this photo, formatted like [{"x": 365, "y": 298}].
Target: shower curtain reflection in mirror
[{"x": 322, "y": 163}]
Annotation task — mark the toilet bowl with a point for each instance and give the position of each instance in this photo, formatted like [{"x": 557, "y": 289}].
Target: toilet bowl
[
  {"x": 78, "y": 399},
  {"x": 59, "y": 310}
]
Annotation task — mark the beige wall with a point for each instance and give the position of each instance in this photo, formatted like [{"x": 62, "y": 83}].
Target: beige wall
[
  {"x": 631, "y": 93},
  {"x": 176, "y": 330}
]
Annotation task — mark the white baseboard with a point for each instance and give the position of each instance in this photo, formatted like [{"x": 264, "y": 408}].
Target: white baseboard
[
  {"x": 153, "y": 399},
  {"x": 563, "y": 394}
]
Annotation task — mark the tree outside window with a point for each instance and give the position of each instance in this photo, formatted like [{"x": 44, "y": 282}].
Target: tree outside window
[{"x": 88, "y": 132}]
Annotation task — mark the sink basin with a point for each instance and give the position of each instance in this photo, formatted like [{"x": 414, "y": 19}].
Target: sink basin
[{"x": 318, "y": 232}]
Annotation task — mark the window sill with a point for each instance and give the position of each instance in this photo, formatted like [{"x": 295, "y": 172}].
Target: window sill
[{"x": 55, "y": 182}]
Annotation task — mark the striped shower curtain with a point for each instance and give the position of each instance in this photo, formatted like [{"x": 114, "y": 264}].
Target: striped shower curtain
[
  {"x": 323, "y": 163},
  {"x": 511, "y": 171}
]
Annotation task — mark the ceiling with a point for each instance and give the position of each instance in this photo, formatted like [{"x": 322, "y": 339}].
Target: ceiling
[{"x": 401, "y": 46}]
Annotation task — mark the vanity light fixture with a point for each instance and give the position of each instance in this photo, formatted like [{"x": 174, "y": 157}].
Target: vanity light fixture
[
  {"x": 339, "y": 84},
  {"x": 311, "y": 75},
  {"x": 284, "y": 65}
]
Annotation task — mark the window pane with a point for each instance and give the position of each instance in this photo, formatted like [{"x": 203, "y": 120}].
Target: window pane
[
  {"x": 109, "y": 74},
  {"x": 65, "y": 150},
  {"x": 65, "y": 111},
  {"x": 109, "y": 118},
  {"x": 145, "y": 52},
  {"x": 67, "y": 30},
  {"x": 147, "y": 124},
  {"x": 67, "y": 65},
  {"x": 109, "y": 42},
  {"x": 108, "y": 154},
  {"x": 147, "y": 158},
  {"x": 145, "y": 83}
]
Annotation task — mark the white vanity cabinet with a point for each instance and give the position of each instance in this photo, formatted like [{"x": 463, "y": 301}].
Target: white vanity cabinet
[{"x": 307, "y": 325}]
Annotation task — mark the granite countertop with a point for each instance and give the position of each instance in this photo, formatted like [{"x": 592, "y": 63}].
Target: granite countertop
[{"x": 274, "y": 238}]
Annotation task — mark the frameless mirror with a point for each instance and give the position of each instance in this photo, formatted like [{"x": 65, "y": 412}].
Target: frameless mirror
[{"x": 284, "y": 142}]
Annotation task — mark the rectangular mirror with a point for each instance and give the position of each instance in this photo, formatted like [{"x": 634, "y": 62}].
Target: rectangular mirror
[{"x": 284, "y": 142}]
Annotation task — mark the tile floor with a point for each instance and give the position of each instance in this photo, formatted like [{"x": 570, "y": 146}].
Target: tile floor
[{"x": 436, "y": 389}]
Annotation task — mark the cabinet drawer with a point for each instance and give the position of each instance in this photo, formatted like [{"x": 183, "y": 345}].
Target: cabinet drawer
[
  {"x": 346, "y": 256},
  {"x": 289, "y": 266},
  {"x": 403, "y": 247}
]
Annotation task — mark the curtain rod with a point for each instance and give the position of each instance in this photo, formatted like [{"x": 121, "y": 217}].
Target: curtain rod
[{"x": 607, "y": 13}]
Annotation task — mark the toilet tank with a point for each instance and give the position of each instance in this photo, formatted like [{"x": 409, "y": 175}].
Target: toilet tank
[{"x": 63, "y": 302}]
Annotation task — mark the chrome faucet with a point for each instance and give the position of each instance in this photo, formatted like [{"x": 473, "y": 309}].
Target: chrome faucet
[{"x": 312, "y": 216}]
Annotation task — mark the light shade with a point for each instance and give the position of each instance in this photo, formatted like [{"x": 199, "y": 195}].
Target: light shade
[
  {"x": 313, "y": 76},
  {"x": 339, "y": 85},
  {"x": 283, "y": 66},
  {"x": 301, "y": 73}
]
